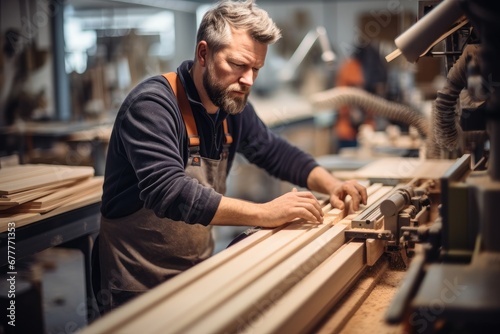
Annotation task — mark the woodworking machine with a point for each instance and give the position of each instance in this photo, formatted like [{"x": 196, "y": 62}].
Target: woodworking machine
[
  {"x": 451, "y": 285},
  {"x": 397, "y": 219}
]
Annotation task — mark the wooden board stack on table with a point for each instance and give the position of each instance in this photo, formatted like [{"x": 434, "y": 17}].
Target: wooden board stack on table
[
  {"x": 32, "y": 192},
  {"x": 281, "y": 280}
]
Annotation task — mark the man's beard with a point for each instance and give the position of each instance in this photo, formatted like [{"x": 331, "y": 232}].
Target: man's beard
[{"x": 221, "y": 97}]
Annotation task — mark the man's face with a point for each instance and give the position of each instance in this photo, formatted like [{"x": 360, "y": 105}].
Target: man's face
[{"x": 231, "y": 72}]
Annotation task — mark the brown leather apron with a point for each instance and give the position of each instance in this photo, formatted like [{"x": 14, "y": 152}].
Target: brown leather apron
[{"x": 140, "y": 251}]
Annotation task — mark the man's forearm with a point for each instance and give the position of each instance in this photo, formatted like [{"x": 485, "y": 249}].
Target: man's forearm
[
  {"x": 236, "y": 212},
  {"x": 322, "y": 181},
  {"x": 283, "y": 209}
]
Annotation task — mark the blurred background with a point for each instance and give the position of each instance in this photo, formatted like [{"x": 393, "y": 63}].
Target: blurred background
[{"x": 66, "y": 66}]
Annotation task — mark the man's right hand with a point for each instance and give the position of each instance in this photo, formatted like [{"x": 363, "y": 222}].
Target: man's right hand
[
  {"x": 284, "y": 209},
  {"x": 291, "y": 206}
]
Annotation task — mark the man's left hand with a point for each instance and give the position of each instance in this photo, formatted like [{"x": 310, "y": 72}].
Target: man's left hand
[{"x": 352, "y": 188}]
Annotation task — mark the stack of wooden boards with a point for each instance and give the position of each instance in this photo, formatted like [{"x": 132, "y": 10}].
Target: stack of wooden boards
[
  {"x": 30, "y": 192},
  {"x": 279, "y": 280}
]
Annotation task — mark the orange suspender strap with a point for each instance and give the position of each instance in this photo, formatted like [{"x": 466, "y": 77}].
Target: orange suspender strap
[
  {"x": 229, "y": 138},
  {"x": 187, "y": 113}
]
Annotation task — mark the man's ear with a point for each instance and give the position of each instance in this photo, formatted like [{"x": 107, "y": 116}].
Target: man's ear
[{"x": 201, "y": 53}]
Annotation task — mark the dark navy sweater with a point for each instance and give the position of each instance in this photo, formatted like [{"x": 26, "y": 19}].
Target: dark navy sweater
[{"x": 148, "y": 152}]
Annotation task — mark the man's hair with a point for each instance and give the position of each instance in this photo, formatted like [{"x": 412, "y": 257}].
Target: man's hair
[{"x": 215, "y": 27}]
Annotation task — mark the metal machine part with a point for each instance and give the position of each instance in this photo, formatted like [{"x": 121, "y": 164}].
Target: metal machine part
[
  {"x": 397, "y": 219},
  {"x": 454, "y": 280},
  {"x": 370, "y": 218},
  {"x": 393, "y": 207},
  {"x": 453, "y": 286},
  {"x": 416, "y": 41}
]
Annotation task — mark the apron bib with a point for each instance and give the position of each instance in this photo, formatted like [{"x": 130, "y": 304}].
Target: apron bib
[{"x": 140, "y": 251}]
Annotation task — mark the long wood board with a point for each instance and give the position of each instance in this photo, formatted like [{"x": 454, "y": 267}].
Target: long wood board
[
  {"x": 215, "y": 295},
  {"x": 308, "y": 301}
]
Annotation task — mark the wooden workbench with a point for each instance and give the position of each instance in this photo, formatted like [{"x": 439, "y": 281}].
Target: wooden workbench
[{"x": 44, "y": 206}]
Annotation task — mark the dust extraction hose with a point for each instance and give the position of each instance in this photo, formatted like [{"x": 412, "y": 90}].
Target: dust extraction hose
[
  {"x": 350, "y": 96},
  {"x": 446, "y": 132}
]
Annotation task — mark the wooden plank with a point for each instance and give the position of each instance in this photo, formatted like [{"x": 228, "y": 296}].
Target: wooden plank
[
  {"x": 95, "y": 182},
  {"x": 234, "y": 314},
  {"x": 299, "y": 309},
  {"x": 22, "y": 219},
  {"x": 245, "y": 267},
  {"x": 233, "y": 290},
  {"x": 7, "y": 205},
  {"x": 339, "y": 315},
  {"x": 374, "y": 250},
  {"x": 26, "y": 198},
  {"x": 56, "y": 175},
  {"x": 232, "y": 261},
  {"x": 20, "y": 171},
  {"x": 179, "y": 303},
  {"x": 54, "y": 205},
  {"x": 61, "y": 196},
  {"x": 119, "y": 319},
  {"x": 28, "y": 195}
]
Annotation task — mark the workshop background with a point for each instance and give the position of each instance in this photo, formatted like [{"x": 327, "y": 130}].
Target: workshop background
[{"x": 65, "y": 67}]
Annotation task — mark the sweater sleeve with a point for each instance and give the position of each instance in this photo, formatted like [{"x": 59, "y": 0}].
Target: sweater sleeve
[
  {"x": 267, "y": 150},
  {"x": 151, "y": 153}
]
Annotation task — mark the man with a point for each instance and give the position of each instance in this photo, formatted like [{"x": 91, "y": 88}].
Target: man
[{"x": 162, "y": 191}]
